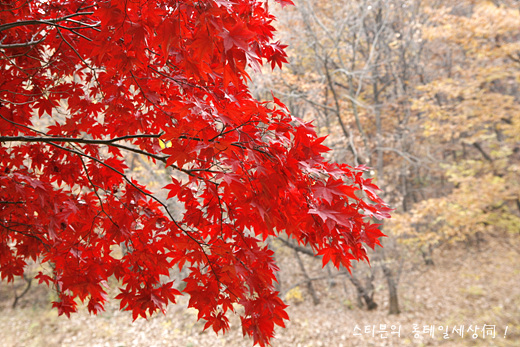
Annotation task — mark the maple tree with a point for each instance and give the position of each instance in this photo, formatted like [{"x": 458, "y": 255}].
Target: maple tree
[{"x": 86, "y": 82}]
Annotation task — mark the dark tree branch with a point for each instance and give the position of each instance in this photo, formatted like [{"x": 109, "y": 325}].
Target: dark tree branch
[
  {"x": 22, "y": 44},
  {"x": 75, "y": 140},
  {"x": 50, "y": 21},
  {"x": 297, "y": 248},
  {"x": 481, "y": 150}
]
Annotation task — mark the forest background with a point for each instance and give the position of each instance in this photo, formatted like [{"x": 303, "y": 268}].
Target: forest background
[{"x": 426, "y": 94}]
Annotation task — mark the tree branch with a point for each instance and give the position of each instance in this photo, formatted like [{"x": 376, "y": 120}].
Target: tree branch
[
  {"x": 297, "y": 248},
  {"x": 481, "y": 150},
  {"x": 50, "y": 21}
]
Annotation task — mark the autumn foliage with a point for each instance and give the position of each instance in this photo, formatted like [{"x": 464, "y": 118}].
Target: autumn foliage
[{"x": 84, "y": 83}]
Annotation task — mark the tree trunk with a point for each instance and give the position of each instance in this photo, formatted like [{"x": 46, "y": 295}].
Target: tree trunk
[
  {"x": 427, "y": 255},
  {"x": 310, "y": 287},
  {"x": 365, "y": 293},
  {"x": 393, "y": 298}
]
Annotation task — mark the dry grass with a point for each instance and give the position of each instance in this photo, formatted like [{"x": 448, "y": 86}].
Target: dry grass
[{"x": 465, "y": 287}]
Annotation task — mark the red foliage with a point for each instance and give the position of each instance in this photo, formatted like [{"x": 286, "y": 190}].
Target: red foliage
[{"x": 111, "y": 77}]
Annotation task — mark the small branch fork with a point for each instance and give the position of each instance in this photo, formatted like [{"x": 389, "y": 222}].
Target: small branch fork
[{"x": 50, "y": 22}]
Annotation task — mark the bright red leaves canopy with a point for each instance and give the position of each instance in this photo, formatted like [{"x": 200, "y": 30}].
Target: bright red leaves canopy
[{"x": 85, "y": 82}]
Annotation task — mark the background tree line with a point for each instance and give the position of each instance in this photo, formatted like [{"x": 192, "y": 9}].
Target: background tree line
[{"x": 426, "y": 93}]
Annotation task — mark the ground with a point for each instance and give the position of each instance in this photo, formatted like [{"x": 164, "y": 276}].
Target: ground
[{"x": 467, "y": 286}]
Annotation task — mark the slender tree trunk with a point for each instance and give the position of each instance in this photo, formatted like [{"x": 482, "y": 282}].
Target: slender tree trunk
[
  {"x": 365, "y": 293},
  {"x": 310, "y": 287},
  {"x": 393, "y": 298},
  {"x": 27, "y": 287},
  {"x": 427, "y": 255}
]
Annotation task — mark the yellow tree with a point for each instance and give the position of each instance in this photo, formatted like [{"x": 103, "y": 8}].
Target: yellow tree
[{"x": 471, "y": 118}]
